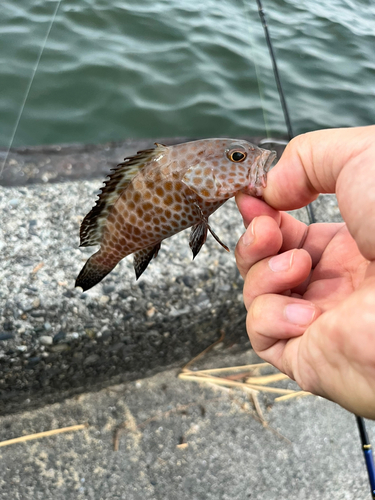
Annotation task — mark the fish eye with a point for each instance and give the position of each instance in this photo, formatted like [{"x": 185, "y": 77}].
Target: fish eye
[{"x": 236, "y": 156}]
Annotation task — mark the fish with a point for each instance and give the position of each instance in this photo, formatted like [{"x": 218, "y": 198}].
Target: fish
[{"x": 163, "y": 190}]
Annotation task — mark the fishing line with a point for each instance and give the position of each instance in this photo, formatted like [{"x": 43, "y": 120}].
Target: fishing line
[
  {"x": 257, "y": 71},
  {"x": 30, "y": 84},
  {"x": 366, "y": 445},
  {"x": 275, "y": 70}
]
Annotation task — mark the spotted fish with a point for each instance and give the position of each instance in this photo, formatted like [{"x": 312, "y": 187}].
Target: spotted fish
[{"x": 159, "y": 192}]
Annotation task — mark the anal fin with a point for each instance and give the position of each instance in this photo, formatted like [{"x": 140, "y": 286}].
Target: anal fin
[
  {"x": 198, "y": 237},
  {"x": 143, "y": 257}
]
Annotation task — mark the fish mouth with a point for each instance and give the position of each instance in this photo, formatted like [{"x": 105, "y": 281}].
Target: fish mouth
[
  {"x": 258, "y": 173},
  {"x": 268, "y": 158}
]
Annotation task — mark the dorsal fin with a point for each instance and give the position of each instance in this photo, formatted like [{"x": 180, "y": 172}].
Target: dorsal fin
[{"x": 93, "y": 224}]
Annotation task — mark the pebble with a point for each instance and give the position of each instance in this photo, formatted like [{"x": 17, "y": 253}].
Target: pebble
[
  {"x": 72, "y": 336},
  {"x": 37, "y": 314},
  {"x": 150, "y": 312},
  {"x": 46, "y": 340},
  {"x": 59, "y": 336},
  {"x": 59, "y": 347},
  {"x": 152, "y": 333},
  {"x": 179, "y": 312},
  {"x": 188, "y": 281},
  {"x": 14, "y": 202},
  {"x": 90, "y": 360},
  {"x": 34, "y": 360},
  {"x": 6, "y": 336},
  {"x": 224, "y": 288},
  {"x": 104, "y": 299},
  {"x": 36, "y": 302}
]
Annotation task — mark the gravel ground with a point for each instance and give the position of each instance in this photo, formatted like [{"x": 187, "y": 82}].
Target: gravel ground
[
  {"x": 54, "y": 338},
  {"x": 187, "y": 441}
]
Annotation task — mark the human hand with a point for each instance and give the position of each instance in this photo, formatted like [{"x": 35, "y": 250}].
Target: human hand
[{"x": 310, "y": 291}]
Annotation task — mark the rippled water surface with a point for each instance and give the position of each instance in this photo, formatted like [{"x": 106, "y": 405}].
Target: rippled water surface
[{"x": 127, "y": 69}]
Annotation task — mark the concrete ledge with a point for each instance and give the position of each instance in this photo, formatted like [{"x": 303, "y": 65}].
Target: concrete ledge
[
  {"x": 68, "y": 162},
  {"x": 56, "y": 341}
]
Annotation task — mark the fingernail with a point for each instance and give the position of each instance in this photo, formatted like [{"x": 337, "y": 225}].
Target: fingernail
[
  {"x": 249, "y": 235},
  {"x": 299, "y": 314},
  {"x": 281, "y": 262}
]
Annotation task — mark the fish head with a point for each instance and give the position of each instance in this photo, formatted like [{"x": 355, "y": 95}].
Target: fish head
[
  {"x": 230, "y": 166},
  {"x": 253, "y": 160}
]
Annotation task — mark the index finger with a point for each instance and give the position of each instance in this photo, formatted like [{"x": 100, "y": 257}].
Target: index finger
[{"x": 294, "y": 233}]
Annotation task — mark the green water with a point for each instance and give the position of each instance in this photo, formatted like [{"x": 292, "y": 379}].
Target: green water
[{"x": 131, "y": 69}]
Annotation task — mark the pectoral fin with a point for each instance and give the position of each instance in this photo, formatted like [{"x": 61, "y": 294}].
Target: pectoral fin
[
  {"x": 198, "y": 237},
  {"x": 199, "y": 231},
  {"x": 217, "y": 238},
  {"x": 143, "y": 257}
]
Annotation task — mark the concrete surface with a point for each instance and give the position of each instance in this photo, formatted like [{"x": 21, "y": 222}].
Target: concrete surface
[{"x": 311, "y": 450}]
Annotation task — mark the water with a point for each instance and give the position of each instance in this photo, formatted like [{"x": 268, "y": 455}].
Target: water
[{"x": 126, "y": 69}]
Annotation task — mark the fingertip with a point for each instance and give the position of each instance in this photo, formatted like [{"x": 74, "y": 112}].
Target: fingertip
[
  {"x": 261, "y": 239},
  {"x": 251, "y": 207},
  {"x": 297, "y": 178}
]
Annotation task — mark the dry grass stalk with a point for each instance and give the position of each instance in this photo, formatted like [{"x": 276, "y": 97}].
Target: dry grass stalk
[
  {"x": 267, "y": 379},
  {"x": 297, "y": 394},
  {"x": 231, "y": 377},
  {"x": 231, "y": 383},
  {"x": 38, "y": 435}
]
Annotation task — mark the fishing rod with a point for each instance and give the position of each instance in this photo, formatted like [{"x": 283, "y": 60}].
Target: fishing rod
[
  {"x": 367, "y": 452},
  {"x": 309, "y": 208},
  {"x": 366, "y": 445}
]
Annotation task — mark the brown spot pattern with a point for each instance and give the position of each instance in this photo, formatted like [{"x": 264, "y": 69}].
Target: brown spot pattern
[{"x": 162, "y": 199}]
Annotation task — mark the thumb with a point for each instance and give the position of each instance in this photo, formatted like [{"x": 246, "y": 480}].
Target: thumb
[
  {"x": 337, "y": 161},
  {"x": 312, "y": 163}
]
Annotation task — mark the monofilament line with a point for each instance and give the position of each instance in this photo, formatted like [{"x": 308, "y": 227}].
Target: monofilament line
[
  {"x": 30, "y": 85},
  {"x": 251, "y": 46}
]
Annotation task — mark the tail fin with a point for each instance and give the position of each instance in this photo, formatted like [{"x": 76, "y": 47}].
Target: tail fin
[{"x": 91, "y": 274}]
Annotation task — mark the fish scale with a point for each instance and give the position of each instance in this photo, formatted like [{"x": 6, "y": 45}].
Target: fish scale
[{"x": 162, "y": 191}]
